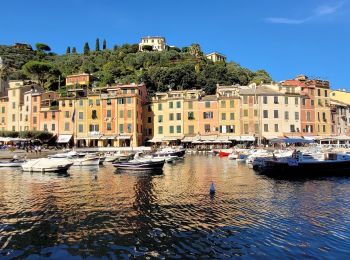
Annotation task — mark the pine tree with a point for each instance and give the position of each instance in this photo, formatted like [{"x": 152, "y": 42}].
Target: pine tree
[
  {"x": 68, "y": 50},
  {"x": 86, "y": 48},
  {"x": 104, "y": 45},
  {"x": 97, "y": 46},
  {"x": 74, "y": 50}
]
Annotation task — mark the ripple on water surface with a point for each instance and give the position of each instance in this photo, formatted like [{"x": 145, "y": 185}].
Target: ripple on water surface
[{"x": 172, "y": 215}]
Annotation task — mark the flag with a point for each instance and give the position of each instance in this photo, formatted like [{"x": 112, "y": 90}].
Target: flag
[{"x": 73, "y": 116}]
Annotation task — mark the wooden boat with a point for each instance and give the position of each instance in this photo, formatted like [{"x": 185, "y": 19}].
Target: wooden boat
[{"x": 47, "y": 165}]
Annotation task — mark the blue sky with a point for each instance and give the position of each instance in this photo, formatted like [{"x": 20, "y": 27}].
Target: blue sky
[{"x": 285, "y": 37}]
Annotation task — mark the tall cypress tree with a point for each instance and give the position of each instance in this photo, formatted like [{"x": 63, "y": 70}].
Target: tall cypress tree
[
  {"x": 86, "y": 48},
  {"x": 74, "y": 50},
  {"x": 97, "y": 46},
  {"x": 68, "y": 50},
  {"x": 104, "y": 44}
]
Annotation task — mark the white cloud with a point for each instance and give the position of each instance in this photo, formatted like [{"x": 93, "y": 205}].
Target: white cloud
[{"x": 318, "y": 12}]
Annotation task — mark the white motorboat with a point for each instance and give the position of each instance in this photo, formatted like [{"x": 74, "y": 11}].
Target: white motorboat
[
  {"x": 170, "y": 151},
  {"x": 111, "y": 157},
  {"x": 85, "y": 161},
  {"x": 12, "y": 163},
  {"x": 47, "y": 165}
]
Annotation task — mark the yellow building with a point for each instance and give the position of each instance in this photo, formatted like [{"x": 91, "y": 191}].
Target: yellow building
[
  {"x": 341, "y": 95},
  {"x": 215, "y": 56},
  {"x": 229, "y": 111},
  {"x": 3, "y": 113},
  {"x": 157, "y": 43}
]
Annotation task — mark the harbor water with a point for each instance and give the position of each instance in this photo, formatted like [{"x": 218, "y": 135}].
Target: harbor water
[{"x": 98, "y": 212}]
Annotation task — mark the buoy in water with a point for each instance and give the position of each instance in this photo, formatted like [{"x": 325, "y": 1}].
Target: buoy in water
[{"x": 212, "y": 189}]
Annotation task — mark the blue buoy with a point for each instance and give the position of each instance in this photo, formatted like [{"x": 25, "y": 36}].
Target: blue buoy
[{"x": 212, "y": 189}]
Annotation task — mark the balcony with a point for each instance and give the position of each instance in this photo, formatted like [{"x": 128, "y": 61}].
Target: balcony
[{"x": 94, "y": 133}]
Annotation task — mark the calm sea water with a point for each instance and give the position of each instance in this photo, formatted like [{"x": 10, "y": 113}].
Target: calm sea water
[{"x": 125, "y": 215}]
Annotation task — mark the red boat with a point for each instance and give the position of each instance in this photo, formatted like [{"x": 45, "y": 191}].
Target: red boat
[{"x": 225, "y": 153}]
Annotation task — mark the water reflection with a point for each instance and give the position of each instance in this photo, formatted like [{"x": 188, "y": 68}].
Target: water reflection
[{"x": 172, "y": 214}]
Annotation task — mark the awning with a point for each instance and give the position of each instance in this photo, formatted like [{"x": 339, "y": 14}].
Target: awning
[
  {"x": 234, "y": 138},
  {"x": 108, "y": 137},
  {"x": 343, "y": 137},
  {"x": 310, "y": 137},
  {"x": 247, "y": 138},
  {"x": 63, "y": 139},
  {"x": 222, "y": 138},
  {"x": 208, "y": 137},
  {"x": 197, "y": 142},
  {"x": 155, "y": 140},
  {"x": 270, "y": 137},
  {"x": 171, "y": 138},
  {"x": 188, "y": 139},
  {"x": 124, "y": 137}
]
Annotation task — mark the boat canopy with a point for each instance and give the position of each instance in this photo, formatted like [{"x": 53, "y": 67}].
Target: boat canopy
[{"x": 63, "y": 139}]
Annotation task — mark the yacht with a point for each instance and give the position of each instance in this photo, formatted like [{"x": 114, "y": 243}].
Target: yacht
[{"x": 47, "y": 165}]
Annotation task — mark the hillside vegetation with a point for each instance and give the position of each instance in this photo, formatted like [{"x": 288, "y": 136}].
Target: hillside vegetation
[{"x": 174, "y": 68}]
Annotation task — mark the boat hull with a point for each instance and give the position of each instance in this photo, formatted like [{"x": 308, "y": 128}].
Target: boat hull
[
  {"x": 140, "y": 166},
  {"x": 304, "y": 169}
]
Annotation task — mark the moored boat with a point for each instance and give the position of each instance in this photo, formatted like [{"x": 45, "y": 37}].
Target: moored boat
[
  {"x": 47, "y": 165},
  {"x": 12, "y": 163}
]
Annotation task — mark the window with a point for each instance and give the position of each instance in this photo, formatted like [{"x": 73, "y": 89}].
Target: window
[
  {"x": 13, "y": 117},
  {"x": 207, "y": 104},
  {"x": 318, "y": 92},
  {"x": 171, "y": 116},
  {"x": 326, "y": 93},
  {"x": 34, "y": 108},
  {"x": 109, "y": 126},
  {"x": 129, "y": 113},
  {"x": 266, "y": 127},
  {"x": 35, "y": 99},
  {"x": 276, "y": 128},
  {"x": 265, "y": 113},
  {"x": 223, "y": 104},
  {"x": 34, "y": 119},
  {"x": 98, "y": 102},
  {"x": 160, "y": 119},
  {"x": 149, "y": 119},
  {"x": 207, "y": 128},
  {"x": 223, "y": 116},
  {"x": 190, "y": 116},
  {"x": 121, "y": 114},
  {"x": 160, "y": 107},
  {"x": 109, "y": 113},
  {"x": 45, "y": 127},
  {"x": 286, "y": 115},
  {"x": 91, "y": 102},
  {"x": 3, "y": 109},
  {"x": 94, "y": 114},
  {"x": 66, "y": 114},
  {"x": 171, "y": 104},
  {"x": 255, "y": 112},
  {"x": 245, "y": 112},
  {"x": 324, "y": 128},
  {"x": 53, "y": 127},
  {"x": 275, "y": 114},
  {"x": 232, "y": 116},
  {"x": 312, "y": 103},
  {"x": 149, "y": 131},
  {"x": 149, "y": 108},
  {"x": 81, "y": 115},
  {"x": 286, "y": 100},
  {"x": 13, "y": 105},
  {"x": 81, "y": 128},
  {"x": 246, "y": 128},
  {"x": 178, "y": 129},
  {"x": 160, "y": 130},
  {"x": 190, "y": 105},
  {"x": 178, "y": 116},
  {"x": 81, "y": 102},
  {"x": 264, "y": 100},
  {"x": 296, "y": 115},
  {"x": 304, "y": 101},
  {"x": 121, "y": 101},
  {"x": 292, "y": 128},
  {"x": 129, "y": 128},
  {"x": 275, "y": 100},
  {"x": 296, "y": 101},
  {"x": 232, "y": 103},
  {"x": 132, "y": 91},
  {"x": 207, "y": 115},
  {"x": 245, "y": 100},
  {"x": 129, "y": 100},
  {"x": 45, "y": 115},
  {"x": 53, "y": 115},
  {"x": 190, "y": 129},
  {"x": 66, "y": 126},
  {"x": 324, "y": 117},
  {"x": 121, "y": 128},
  {"x": 109, "y": 102},
  {"x": 171, "y": 129},
  {"x": 256, "y": 128}
]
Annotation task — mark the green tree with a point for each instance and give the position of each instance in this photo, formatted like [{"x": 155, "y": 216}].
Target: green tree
[
  {"x": 68, "y": 50},
  {"x": 42, "y": 47},
  {"x": 37, "y": 69},
  {"x": 74, "y": 50},
  {"x": 97, "y": 45},
  {"x": 104, "y": 44},
  {"x": 86, "y": 49},
  {"x": 195, "y": 50}
]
